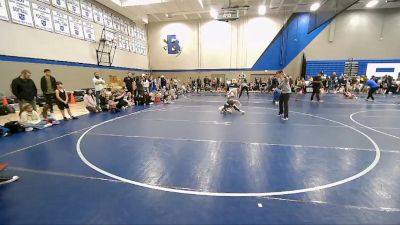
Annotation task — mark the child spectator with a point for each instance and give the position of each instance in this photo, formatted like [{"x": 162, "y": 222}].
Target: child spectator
[
  {"x": 62, "y": 101},
  {"x": 103, "y": 101},
  {"x": 112, "y": 105},
  {"x": 30, "y": 119},
  {"x": 47, "y": 116},
  {"x": 90, "y": 101}
]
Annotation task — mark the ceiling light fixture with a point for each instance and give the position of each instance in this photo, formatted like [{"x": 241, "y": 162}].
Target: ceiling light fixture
[
  {"x": 201, "y": 3},
  {"x": 314, "y": 7},
  {"x": 140, "y": 2},
  {"x": 372, "y": 3},
  {"x": 262, "y": 9},
  {"x": 213, "y": 13}
]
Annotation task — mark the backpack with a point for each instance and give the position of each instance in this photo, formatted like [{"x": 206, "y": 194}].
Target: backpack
[
  {"x": 14, "y": 127},
  {"x": 3, "y": 110}
]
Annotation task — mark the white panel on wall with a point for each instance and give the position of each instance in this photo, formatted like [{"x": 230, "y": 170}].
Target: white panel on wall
[
  {"x": 87, "y": 12},
  {"x": 98, "y": 15},
  {"x": 125, "y": 43},
  {"x": 3, "y": 11},
  {"x": 61, "y": 24},
  {"x": 74, "y": 7},
  {"x": 45, "y": 1},
  {"x": 108, "y": 20},
  {"x": 116, "y": 21},
  {"x": 131, "y": 44},
  {"x": 76, "y": 28},
  {"x": 88, "y": 31},
  {"x": 21, "y": 12},
  {"x": 61, "y": 4},
  {"x": 109, "y": 37},
  {"x": 42, "y": 17}
]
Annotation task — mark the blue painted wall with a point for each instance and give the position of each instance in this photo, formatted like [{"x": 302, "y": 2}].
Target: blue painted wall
[
  {"x": 330, "y": 66},
  {"x": 289, "y": 43}
]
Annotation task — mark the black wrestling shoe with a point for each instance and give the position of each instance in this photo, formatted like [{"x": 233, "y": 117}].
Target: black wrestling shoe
[{"x": 6, "y": 180}]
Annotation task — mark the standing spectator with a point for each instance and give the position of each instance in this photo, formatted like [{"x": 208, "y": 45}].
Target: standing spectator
[
  {"x": 128, "y": 80},
  {"x": 284, "y": 85},
  {"x": 62, "y": 101},
  {"x": 48, "y": 86},
  {"x": 163, "y": 82},
  {"x": 198, "y": 84},
  {"x": 99, "y": 84},
  {"x": 373, "y": 87},
  {"x": 317, "y": 83},
  {"x": 24, "y": 89}
]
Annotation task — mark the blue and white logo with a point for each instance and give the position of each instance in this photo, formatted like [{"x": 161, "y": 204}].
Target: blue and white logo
[
  {"x": 173, "y": 46},
  {"x": 21, "y": 16}
]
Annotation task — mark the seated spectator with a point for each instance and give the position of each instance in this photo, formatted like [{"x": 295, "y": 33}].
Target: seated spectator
[
  {"x": 90, "y": 101},
  {"x": 30, "y": 119},
  {"x": 129, "y": 99},
  {"x": 103, "y": 99},
  {"x": 62, "y": 101},
  {"x": 119, "y": 98},
  {"x": 47, "y": 116},
  {"x": 112, "y": 104}
]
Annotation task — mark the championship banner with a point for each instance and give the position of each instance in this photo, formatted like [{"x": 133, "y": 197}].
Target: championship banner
[
  {"x": 86, "y": 9},
  {"x": 124, "y": 27},
  {"x": 3, "y": 11},
  {"x": 21, "y": 12},
  {"x": 116, "y": 23},
  {"x": 132, "y": 44},
  {"x": 61, "y": 24},
  {"x": 98, "y": 15},
  {"x": 125, "y": 43},
  {"x": 61, "y": 4},
  {"x": 108, "y": 20},
  {"x": 74, "y": 7},
  {"x": 76, "y": 28},
  {"x": 45, "y": 1},
  {"x": 42, "y": 17},
  {"x": 130, "y": 30},
  {"x": 109, "y": 37},
  {"x": 118, "y": 38},
  {"x": 88, "y": 31}
]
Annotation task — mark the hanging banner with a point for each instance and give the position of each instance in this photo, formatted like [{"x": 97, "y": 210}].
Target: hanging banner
[
  {"x": 130, "y": 30},
  {"x": 45, "y": 1},
  {"x": 116, "y": 23},
  {"x": 61, "y": 25},
  {"x": 88, "y": 31},
  {"x": 3, "y": 11},
  {"x": 118, "y": 38},
  {"x": 125, "y": 43},
  {"x": 124, "y": 27},
  {"x": 98, "y": 15},
  {"x": 76, "y": 28},
  {"x": 108, "y": 20},
  {"x": 61, "y": 4},
  {"x": 21, "y": 12},
  {"x": 131, "y": 44},
  {"x": 42, "y": 17},
  {"x": 74, "y": 7},
  {"x": 86, "y": 9}
]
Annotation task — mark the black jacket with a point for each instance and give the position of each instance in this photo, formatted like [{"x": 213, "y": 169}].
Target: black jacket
[
  {"x": 24, "y": 89},
  {"x": 43, "y": 84}
]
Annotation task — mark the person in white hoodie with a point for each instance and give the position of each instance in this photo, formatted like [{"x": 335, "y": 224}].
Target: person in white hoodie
[{"x": 30, "y": 119}]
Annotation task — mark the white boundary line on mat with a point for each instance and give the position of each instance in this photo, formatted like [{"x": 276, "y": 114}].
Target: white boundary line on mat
[{"x": 233, "y": 194}]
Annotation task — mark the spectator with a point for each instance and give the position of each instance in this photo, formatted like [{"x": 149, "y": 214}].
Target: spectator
[
  {"x": 62, "y": 101},
  {"x": 24, "y": 89},
  {"x": 112, "y": 105},
  {"x": 128, "y": 80},
  {"x": 317, "y": 84},
  {"x": 90, "y": 101},
  {"x": 47, "y": 116},
  {"x": 48, "y": 86},
  {"x": 103, "y": 101},
  {"x": 99, "y": 84},
  {"x": 285, "y": 88},
  {"x": 30, "y": 119}
]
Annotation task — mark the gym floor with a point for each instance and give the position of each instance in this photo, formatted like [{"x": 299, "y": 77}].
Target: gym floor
[{"x": 335, "y": 162}]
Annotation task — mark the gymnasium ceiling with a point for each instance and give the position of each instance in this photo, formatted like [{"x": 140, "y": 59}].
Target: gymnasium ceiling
[{"x": 177, "y": 10}]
